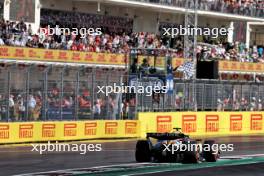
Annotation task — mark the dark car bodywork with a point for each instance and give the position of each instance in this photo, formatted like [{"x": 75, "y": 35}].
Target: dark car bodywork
[{"x": 163, "y": 150}]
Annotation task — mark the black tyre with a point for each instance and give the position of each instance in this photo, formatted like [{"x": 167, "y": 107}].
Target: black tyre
[
  {"x": 212, "y": 154},
  {"x": 143, "y": 151},
  {"x": 192, "y": 155},
  {"x": 160, "y": 155}
]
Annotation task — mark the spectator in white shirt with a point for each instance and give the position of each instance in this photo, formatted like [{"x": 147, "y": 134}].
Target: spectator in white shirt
[{"x": 31, "y": 107}]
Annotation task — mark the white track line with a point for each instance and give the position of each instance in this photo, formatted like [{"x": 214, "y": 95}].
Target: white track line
[
  {"x": 135, "y": 164},
  {"x": 250, "y": 155},
  {"x": 95, "y": 167}
]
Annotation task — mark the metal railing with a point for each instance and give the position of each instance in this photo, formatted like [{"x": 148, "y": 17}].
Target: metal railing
[
  {"x": 210, "y": 96},
  {"x": 255, "y": 9},
  {"x": 73, "y": 94},
  {"x": 58, "y": 94}
]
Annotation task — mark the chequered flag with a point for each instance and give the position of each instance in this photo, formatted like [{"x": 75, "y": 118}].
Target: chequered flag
[{"x": 187, "y": 68}]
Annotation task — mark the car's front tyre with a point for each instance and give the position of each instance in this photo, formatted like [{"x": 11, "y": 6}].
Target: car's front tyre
[
  {"x": 192, "y": 154},
  {"x": 212, "y": 154}
]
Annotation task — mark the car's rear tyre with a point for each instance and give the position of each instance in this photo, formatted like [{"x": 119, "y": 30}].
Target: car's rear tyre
[
  {"x": 192, "y": 155},
  {"x": 212, "y": 154},
  {"x": 143, "y": 151},
  {"x": 160, "y": 155}
]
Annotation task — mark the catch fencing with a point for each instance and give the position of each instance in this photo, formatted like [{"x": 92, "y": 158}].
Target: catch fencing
[{"x": 64, "y": 93}]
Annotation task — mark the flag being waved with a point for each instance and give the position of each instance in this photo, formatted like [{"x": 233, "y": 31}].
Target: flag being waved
[{"x": 188, "y": 69}]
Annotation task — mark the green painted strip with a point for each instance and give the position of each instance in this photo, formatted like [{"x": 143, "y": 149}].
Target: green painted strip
[{"x": 174, "y": 167}]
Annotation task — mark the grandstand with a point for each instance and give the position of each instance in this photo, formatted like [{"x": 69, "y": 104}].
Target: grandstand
[{"x": 56, "y": 77}]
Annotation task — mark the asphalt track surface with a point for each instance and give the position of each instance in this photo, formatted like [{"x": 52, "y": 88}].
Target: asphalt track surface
[
  {"x": 21, "y": 160},
  {"x": 239, "y": 170}
]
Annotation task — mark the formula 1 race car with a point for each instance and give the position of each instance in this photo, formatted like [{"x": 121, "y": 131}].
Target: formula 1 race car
[{"x": 175, "y": 147}]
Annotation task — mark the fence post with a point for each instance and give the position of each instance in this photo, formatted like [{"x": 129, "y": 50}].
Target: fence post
[
  {"x": 136, "y": 98},
  {"x": 241, "y": 96},
  {"x": 77, "y": 88},
  {"x": 8, "y": 95},
  {"x": 92, "y": 104},
  {"x": 203, "y": 96},
  {"x": 61, "y": 92},
  {"x": 119, "y": 109},
  {"x": 107, "y": 99},
  {"x": 184, "y": 96},
  {"x": 45, "y": 91},
  {"x": 250, "y": 95},
  {"x": 27, "y": 95}
]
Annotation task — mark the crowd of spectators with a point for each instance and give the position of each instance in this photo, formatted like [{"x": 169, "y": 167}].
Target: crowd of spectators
[
  {"x": 224, "y": 104},
  {"x": 221, "y": 50},
  {"x": 18, "y": 34},
  {"x": 117, "y": 37},
  {"x": 231, "y": 52},
  {"x": 69, "y": 19},
  {"x": 16, "y": 104},
  {"x": 31, "y": 107},
  {"x": 64, "y": 101},
  {"x": 112, "y": 41},
  {"x": 252, "y": 104},
  {"x": 254, "y": 8}
]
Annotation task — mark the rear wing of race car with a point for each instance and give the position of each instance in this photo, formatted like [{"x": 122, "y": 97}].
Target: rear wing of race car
[{"x": 166, "y": 136}]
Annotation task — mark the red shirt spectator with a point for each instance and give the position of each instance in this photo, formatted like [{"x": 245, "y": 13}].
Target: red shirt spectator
[
  {"x": 81, "y": 47},
  {"x": 74, "y": 47}
]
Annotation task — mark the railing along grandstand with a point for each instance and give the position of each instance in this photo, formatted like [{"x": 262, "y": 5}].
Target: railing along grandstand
[{"x": 253, "y": 8}]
